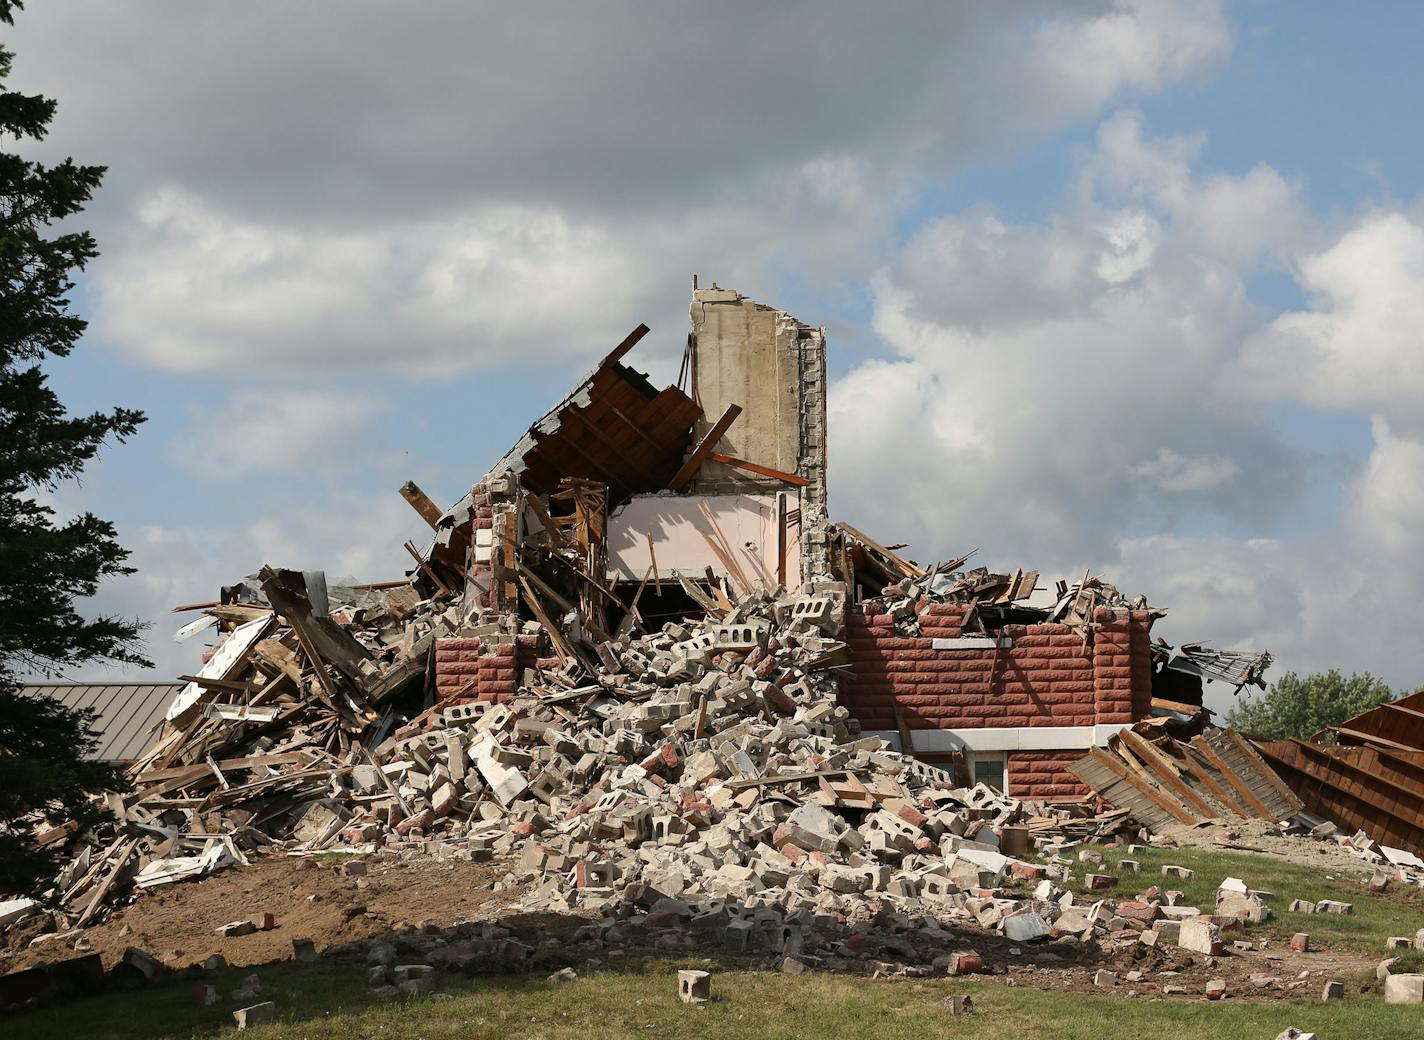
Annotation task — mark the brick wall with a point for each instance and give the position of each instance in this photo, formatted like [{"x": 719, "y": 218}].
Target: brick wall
[
  {"x": 1045, "y": 678},
  {"x": 1044, "y": 775},
  {"x": 468, "y": 670}
]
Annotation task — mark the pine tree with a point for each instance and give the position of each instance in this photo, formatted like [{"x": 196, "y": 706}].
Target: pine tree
[{"x": 46, "y": 564}]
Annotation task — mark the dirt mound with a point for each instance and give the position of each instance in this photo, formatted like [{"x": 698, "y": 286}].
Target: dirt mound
[
  {"x": 310, "y": 898},
  {"x": 1266, "y": 838}
]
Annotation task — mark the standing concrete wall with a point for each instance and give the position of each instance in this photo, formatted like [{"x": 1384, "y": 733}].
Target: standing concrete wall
[{"x": 774, "y": 367}]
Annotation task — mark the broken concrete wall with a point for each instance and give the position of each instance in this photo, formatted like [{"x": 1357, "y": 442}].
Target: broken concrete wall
[
  {"x": 679, "y": 531},
  {"x": 774, "y": 368},
  {"x": 1035, "y": 694}
]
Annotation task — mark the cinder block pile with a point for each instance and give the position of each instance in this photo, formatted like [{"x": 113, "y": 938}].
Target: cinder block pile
[{"x": 707, "y": 782}]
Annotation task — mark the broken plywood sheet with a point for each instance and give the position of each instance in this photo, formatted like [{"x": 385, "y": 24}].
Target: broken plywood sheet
[{"x": 228, "y": 655}]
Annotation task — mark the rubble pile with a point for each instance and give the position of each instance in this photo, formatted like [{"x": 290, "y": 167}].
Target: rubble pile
[
  {"x": 704, "y": 761},
  {"x": 675, "y": 744},
  {"x": 275, "y": 720}
]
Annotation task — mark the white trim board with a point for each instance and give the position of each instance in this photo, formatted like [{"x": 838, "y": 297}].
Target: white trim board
[
  {"x": 972, "y": 643},
  {"x": 1006, "y": 738}
]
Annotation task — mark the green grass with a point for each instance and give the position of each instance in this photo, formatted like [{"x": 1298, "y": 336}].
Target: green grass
[
  {"x": 330, "y": 1002},
  {"x": 1398, "y": 911}
]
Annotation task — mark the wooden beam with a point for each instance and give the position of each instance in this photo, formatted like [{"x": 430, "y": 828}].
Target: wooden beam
[
  {"x": 905, "y": 565},
  {"x": 1370, "y": 739},
  {"x": 1237, "y": 784},
  {"x": 704, "y": 448},
  {"x": 629, "y": 342},
  {"x": 755, "y": 467},
  {"x": 230, "y": 685},
  {"x": 421, "y": 503},
  {"x": 1164, "y": 770},
  {"x": 1415, "y": 712},
  {"x": 426, "y": 569},
  {"x": 556, "y": 637},
  {"x": 1116, "y": 766}
]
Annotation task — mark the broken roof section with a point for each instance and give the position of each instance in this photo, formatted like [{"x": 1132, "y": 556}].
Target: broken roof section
[
  {"x": 1238, "y": 667},
  {"x": 613, "y": 427}
]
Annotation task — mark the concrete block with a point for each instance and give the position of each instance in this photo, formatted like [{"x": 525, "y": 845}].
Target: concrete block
[
  {"x": 250, "y": 1016},
  {"x": 694, "y": 987},
  {"x": 1025, "y": 926},
  {"x": 1200, "y": 937},
  {"x": 1404, "y": 989},
  {"x": 1333, "y": 991}
]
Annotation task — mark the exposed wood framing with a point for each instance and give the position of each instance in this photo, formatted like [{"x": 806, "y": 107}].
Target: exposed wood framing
[{"x": 704, "y": 447}]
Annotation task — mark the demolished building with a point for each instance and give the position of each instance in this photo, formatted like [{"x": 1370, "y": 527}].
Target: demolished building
[
  {"x": 691, "y": 496},
  {"x": 643, "y": 630}
]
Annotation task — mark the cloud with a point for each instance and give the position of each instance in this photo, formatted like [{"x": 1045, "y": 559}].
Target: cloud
[
  {"x": 1388, "y": 499},
  {"x": 1356, "y": 345},
  {"x": 499, "y": 185},
  {"x": 1176, "y": 473},
  {"x": 275, "y": 430},
  {"x": 1064, "y": 375},
  {"x": 414, "y": 298}
]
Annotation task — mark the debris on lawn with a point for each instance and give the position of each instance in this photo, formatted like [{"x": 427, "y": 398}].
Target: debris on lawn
[
  {"x": 656, "y": 681},
  {"x": 693, "y": 986}
]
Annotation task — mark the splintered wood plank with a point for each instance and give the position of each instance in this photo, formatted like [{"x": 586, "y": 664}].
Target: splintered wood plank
[
  {"x": 421, "y": 503},
  {"x": 907, "y": 739},
  {"x": 1166, "y": 772},
  {"x": 1247, "y": 795},
  {"x": 704, "y": 448},
  {"x": 629, "y": 342},
  {"x": 757, "y": 468}
]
